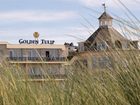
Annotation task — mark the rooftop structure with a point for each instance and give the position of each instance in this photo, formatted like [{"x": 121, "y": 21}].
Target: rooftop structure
[
  {"x": 98, "y": 50},
  {"x": 106, "y": 37}
]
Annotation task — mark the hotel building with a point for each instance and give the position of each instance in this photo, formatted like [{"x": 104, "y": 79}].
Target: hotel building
[{"x": 36, "y": 58}]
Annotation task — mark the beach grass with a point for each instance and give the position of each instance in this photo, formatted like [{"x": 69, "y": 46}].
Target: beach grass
[{"x": 117, "y": 86}]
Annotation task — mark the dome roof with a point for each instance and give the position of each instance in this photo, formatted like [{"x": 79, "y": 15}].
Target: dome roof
[{"x": 105, "y": 16}]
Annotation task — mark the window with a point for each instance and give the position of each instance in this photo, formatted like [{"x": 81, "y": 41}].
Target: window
[
  {"x": 118, "y": 44},
  {"x": 95, "y": 62},
  {"x": 85, "y": 63},
  {"x": 110, "y": 23},
  {"x": 105, "y": 62},
  {"x": 134, "y": 44},
  {"x": 126, "y": 45},
  {"x": 105, "y": 22},
  {"x": 32, "y": 53},
  {"x": 47, "y": 54},
  {"x": 95, "y": 46},
  {"x": 35, "y": 71},
  {"x": 54, "y": 70},
  {"x": 81, "y": 46},
  {"x": 101, "y": 46},
  {"x": 1, "y": 52},
  {"x": 101, "y": 23},
  {"x": 11, "y": 54}
]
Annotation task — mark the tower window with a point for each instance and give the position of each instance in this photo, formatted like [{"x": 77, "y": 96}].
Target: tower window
[{"x": 105, "y": 22}]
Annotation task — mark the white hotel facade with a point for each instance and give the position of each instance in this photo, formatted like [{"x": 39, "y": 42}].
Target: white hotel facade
[{"x": 37, "y": 59}]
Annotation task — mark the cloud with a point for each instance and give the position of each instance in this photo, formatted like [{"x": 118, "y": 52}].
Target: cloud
[
  {"x": 37, "y": 15},
  {"x": 89, "y": 2},
  {"x": 110, "y": 3}
]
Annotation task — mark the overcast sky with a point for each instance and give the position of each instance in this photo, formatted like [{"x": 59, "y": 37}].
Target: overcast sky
[{"x": 61, "y": 20}]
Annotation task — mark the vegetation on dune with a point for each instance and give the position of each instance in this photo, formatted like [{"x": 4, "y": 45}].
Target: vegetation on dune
[{"x": 117, "y": 86}]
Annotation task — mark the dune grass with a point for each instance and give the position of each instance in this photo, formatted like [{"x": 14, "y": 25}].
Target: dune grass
[{"x": 117, "y": 86}]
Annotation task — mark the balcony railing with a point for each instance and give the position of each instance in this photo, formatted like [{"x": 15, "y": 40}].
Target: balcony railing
[{"x": 36, "y": 59}]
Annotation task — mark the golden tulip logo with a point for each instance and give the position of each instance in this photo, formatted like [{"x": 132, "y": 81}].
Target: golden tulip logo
[{"x": 36, "y": 35}]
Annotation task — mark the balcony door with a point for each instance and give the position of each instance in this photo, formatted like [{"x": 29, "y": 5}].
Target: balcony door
[
  {"x": 47, "y": 54},
  {"x": 11, "y": 54}
]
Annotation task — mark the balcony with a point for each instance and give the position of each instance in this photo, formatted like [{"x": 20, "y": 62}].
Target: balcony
[{"x": 36, "y": 59}]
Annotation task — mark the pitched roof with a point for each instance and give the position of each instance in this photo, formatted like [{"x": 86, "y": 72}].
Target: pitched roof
[
  {"x": 105, "y": 16},
  {"x": 103, "y": 33}
]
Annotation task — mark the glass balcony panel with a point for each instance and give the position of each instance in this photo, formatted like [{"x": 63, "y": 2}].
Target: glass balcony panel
[{"x": 36, "y": 59}]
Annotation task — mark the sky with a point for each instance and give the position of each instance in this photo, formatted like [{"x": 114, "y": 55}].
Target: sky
[{"x": 61, "y": 20}]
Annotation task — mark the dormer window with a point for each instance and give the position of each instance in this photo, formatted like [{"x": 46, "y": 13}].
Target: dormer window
[{"x": 101, "y": 46}]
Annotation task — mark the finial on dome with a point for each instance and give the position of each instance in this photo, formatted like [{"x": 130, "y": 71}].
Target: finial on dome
[{"x": 104, "y": 5}]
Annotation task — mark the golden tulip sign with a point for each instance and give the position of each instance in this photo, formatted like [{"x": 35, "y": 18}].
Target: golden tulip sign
[{"x": 36, "y": 40}]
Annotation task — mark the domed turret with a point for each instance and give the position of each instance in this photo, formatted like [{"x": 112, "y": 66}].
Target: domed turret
[{"x": 105, "y": 19}]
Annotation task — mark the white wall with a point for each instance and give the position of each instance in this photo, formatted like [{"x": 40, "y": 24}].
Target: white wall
[{"x": 81, "y": 46}]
